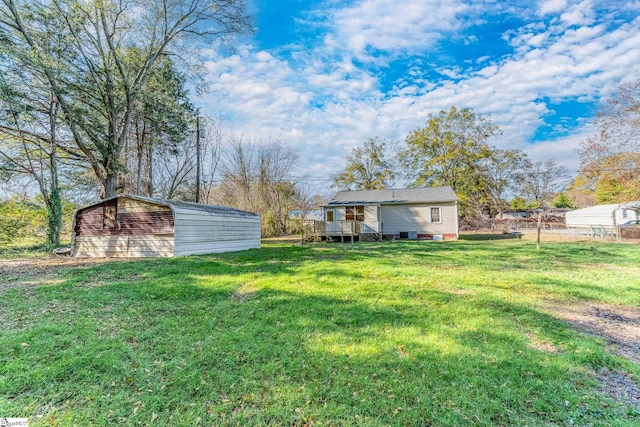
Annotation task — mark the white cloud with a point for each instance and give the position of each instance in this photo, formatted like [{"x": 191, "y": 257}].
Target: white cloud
[
  {"x": 551, "y": 6},
  {"x": 579, "y": 14},
  {"x": 341, "y": 78},
  {"x": 562, "y": 150},
  {"x": 325, "y": 104},
  {"x": 393, "y": 26}
]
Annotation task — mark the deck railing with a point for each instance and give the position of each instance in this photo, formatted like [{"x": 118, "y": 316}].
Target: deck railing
[
  {"x": 317, "y": 228},
  {"x": 346, "y": 228}
]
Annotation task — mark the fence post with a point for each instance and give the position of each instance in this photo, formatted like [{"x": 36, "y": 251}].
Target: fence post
[{"x": 353, "y": 230}]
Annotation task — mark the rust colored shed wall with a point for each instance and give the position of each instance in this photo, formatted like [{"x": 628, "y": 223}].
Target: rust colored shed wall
[
  {"x": 89, "y": 222},
  {"x": 144, "y": 228},
  {"x": 140, "y": 229}
]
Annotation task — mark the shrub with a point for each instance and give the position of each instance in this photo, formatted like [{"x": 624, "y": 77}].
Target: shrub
[{"x": 21, "y": 217}]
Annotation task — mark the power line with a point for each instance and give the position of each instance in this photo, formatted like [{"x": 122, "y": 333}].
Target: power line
[{"x": 306, "y": 178}]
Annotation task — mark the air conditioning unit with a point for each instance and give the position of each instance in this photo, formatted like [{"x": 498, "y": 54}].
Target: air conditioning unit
[{"x": 412, "y": 235}]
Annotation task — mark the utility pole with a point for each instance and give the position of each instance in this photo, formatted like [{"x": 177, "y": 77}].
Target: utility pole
[{"x": 198, "y": 168}]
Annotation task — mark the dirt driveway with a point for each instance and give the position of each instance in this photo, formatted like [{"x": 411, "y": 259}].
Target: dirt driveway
[{"x": 619, "y": 328}]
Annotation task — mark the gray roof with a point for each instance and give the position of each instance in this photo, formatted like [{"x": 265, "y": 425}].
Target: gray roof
[
  {"x": 214, "y": 209},
  {"x": 397, "y": 196}
]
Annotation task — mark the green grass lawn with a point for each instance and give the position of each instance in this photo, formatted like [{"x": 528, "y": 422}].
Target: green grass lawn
[{"x": 389, "y": 333}]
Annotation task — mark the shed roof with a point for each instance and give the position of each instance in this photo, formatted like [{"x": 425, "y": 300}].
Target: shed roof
[
  {"x": 394, "y": 196},
  {"x": 606, "y": 208},
  {"x": 595, "y": 209},
  {"x": 176, "y": 204}
]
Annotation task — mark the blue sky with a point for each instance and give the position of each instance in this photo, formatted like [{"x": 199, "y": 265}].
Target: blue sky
[{"x": 326, "y": 75}]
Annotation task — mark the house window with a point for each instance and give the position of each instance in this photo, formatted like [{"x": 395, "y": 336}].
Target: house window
[
  {"x": 329, "y": 216},
  {"x": 349, "y": 214},
  {"x": 354, "y": 213},
  {"x": 435, "y": 215},
  {"x": 624, "y": 213}
]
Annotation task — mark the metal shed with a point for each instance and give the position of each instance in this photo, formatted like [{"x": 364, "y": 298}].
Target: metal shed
[
  {"x": 133, "y": 226},
  {"x": 603, "y": 216}
]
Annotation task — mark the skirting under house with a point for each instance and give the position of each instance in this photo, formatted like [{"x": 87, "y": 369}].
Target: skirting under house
[{"x": 133, "y": 226}]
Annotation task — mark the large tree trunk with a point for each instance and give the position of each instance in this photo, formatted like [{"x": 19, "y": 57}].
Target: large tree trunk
[
  {"x": 149, "y": 181},
  {"x": 54, "y": 202},
  {"x": 54, "y": 217},
  {"x": 140, "y": 155},
  {"x": 52, "y": 199},
  {"x": 110, "y": 185}
]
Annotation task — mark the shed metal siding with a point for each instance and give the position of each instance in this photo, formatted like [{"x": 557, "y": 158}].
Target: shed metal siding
[
  {"x": 89, "y": 223},
  {"x": 142, "y": 229},
  {"x": 601, "y": 215},
  {"x": 153, "y": 227},
  {"x": 143, "y": 245},
  {"x": 196, "y": 233}
]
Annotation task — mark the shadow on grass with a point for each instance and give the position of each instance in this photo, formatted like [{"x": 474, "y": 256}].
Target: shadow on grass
[
  {"x": 495, "y": 236},
  {"x": 165, "y": 341},
  {"x": 31, "y": 250}
]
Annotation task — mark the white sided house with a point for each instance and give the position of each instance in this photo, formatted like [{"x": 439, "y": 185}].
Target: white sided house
[
  {"x": 607, "y": 217},
  {"x": 133, "y": 226},
  {"x": 408, "y": 213}
]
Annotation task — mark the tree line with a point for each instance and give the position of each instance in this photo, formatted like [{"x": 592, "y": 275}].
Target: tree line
[
  {"x": 452, "y": 149},
  {"x": 90, "y": 91}
]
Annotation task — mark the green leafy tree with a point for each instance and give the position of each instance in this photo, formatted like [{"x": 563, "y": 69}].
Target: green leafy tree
[
  {"x": 161, "y": 126},
  {"x": 610, "y": 160},
  {"x": 562, "y": 201},
  {"x": 367, "y": 168},
  {"x": 31, "y": 130},
  {"x": 448, "y": 149},
  {"x": 20, "y": 218},
  {"x": 451, "y": 150},
  {"x": 518, "y": 204},
  {"x": 93, "y": 76},
  {"x": 618, "y": 179},
  {"x": 610, "y": 190}
]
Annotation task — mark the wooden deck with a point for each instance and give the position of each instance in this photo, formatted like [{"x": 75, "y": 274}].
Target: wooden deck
[{"x": 338, "y": 230}]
